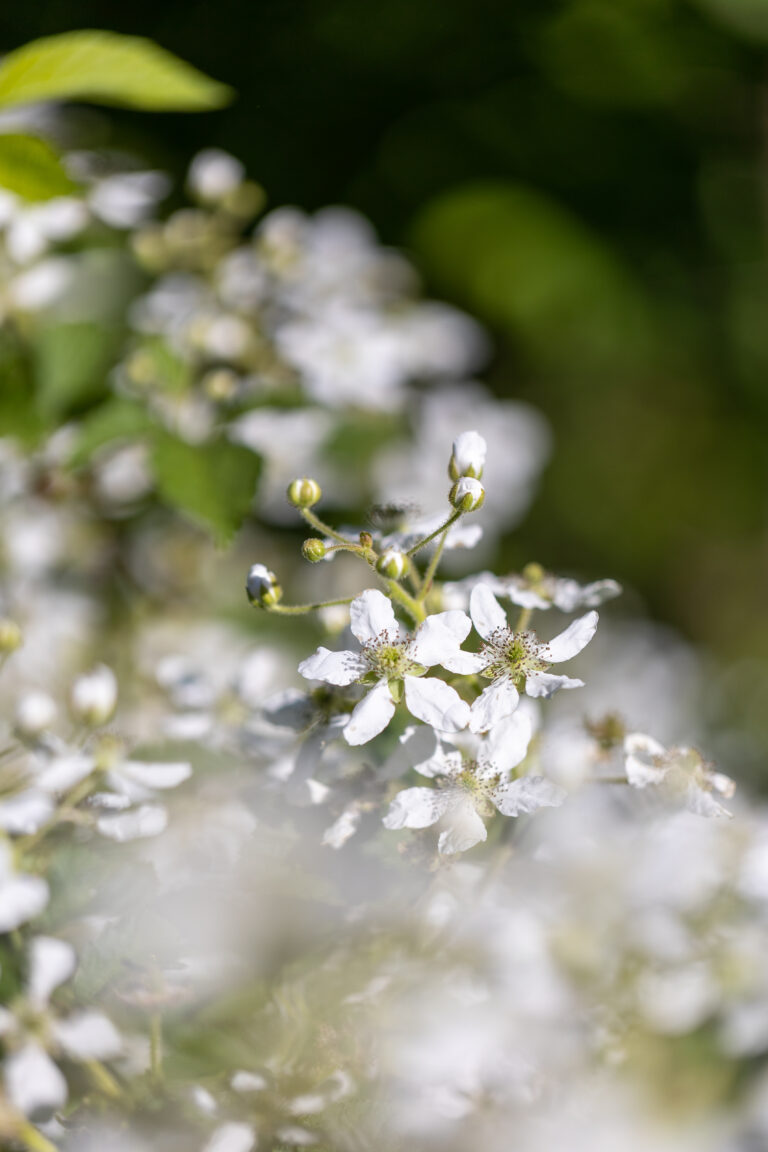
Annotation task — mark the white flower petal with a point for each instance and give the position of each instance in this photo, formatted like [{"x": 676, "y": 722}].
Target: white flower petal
[
  {"x": 343, "y": 828},
  {"x": 569, "y": 595},
  {"x": 487, "y": 614},
  {"x": 506, "y": 744},
  {"x": 436, "y": 703},
  {"x": 148, "y": 820},
  {"x": 51, "y": 962},
  {"x": 334, "y": 667},
  {"x": 464, "y": 663},
  {"x": 545, "y": 684},
  {"x": 417, "y": 808},
  {"x": 371, "y": 715},
  {"x": 88, "y": 1036},
  {"x": 417, "y": 746},
  {"x": 463, "y": 827},
  {"x": 64, "y": 772},
  {"x": 25, "y": 813},
  {"x": 526, "y": 795},
  {"x": 640, "y": 773},
  {"x": 370, "y": 614},
  {"x": 703, "y": 803},
  {"x": 439, "y": 636},
  {"x": 21, "y": 898},
  {"x": 34, "y": 1084},
  {"x": 570, "y": 642},
  {"x": 232, "y": 1137},
  {"x": 161, "y": 775},
  {"x": 494, "y": 704},
  {"x": 638, "y": 744}
]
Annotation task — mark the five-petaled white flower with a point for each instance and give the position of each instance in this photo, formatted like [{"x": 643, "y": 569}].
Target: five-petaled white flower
[
  {"x": 392, "y": 660},
  {"x": 680, "y": 771},
  {"x": 516, "y": 661},
  {"x": 472, "y": 774}
]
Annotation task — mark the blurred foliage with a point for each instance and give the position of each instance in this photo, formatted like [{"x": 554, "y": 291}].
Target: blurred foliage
[{"x": 589, "y": 178}]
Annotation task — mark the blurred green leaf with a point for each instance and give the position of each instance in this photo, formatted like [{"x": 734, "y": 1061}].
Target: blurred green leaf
[
  {"x": 749, "y": 17},
  {"x": 214, "y": 484},
  {"x": 116, "y": 419},
  {"x": 71, "y": 364},
  {"x": 19, "y": 414},
  {"x": 519, "y": 260},
  {"x": 109, "y": 69},
  {"x": 30, "y": 168}
]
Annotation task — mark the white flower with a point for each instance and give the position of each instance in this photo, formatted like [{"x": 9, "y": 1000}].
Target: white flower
[
  {"x": 680, "y": 771},
  {"x": 516, "y": 661},
  {"x": 94, "y": 696},
  {"x": 473, "y": 779},
  {"x": 262, "y": 586},
  {"x": 213, "y": 174},
  {"x": 21, "y": 897},
  {"x": 468, "y": 458},
  {"x": 33, "y": 1082},
  {"x": 467, "y": 494},
  {"x": 35, "y": 712},
  {"x": 232, "y": 1138},
  {"x": 535, "y": 588},
  {"x": 391, "y": 658}
]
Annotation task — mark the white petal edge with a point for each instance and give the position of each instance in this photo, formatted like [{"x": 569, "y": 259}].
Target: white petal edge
[
  {"x": 494, "y": 704},
  {"x": 463, "y": 828},
  {"x": 570, "y": 642},
  {"x": 487, "y": 614},
  {"x": 34, "y": 1083},
  {"x": 416, "y": 808},
  {"x": 544, "y": 684},
  {"x": 439, "y": 636},
  {"x": 339, "y": 668},
  {"x": 370, "y": 614},
  {"x": 371, "y": 715},
  {"x": 526, "y": 795},
  {"x": 88, "y": 1035},
  {"x": 436, "y": 703},
  {"x": 51, "y": 962}
]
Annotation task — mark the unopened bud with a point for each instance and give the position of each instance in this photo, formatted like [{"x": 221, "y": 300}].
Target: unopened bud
[
  {"x": 393, "y": 564},
  {"x": 304, "y": 493},
  {"x": 214, "y": 174},
  {"x": 11, "y": 636},
  {"x": 366, "y": 540},
  {"x": 533, "y": 573},
  {"x": 94, "y": 696},
  {"x": 468, "y": 458},
  {"x": 467, "y": 494},
  {"x": 262, "y": 586},
  {"x": 35, "y": 712},
  {"x": 314, "y": 549}
]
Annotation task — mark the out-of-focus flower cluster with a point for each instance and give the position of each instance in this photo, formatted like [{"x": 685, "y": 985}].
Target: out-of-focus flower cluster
[{"x": 372, "y": 871}]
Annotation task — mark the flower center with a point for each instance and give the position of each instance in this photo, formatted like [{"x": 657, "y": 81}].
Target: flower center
[
  {"x": 388, "y": 657},
  {"x": 513, "y": 654}
]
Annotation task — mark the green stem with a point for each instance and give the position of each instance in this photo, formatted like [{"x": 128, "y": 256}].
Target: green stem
[
  {"x": 319, "y": 526},
  {"x": 156, "y": 1045},
  {"x": 302, "y": 609},
  {"x": 104, "y": 1080},
  {"x": 414, "y": 609},
  {"x": 524, "y": 619},
  {"x": 34, "y": 1140},
  {"x": 443, "y": 528},
  {"x": 429, "y": 575}
]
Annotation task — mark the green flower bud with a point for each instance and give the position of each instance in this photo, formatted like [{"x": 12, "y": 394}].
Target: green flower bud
[
  {"x": 468, "y": 457},
  {"x": 262, "y": 587},
  {"x": 11, "y": 636},
  {"x": 393, "y": 564},
  {"x": 304, "y": 493},
  {"x": 314, "y": 549},
  {"x": 467, "y": 494}
]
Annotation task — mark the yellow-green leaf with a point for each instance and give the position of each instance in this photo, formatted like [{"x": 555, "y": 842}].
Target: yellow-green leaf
[
  {"x": 106, "y": 68},
  {"x": 30, "y": 168}
]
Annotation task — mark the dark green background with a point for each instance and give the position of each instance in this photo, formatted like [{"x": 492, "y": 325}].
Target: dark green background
[{"x": 591, "y": 180}]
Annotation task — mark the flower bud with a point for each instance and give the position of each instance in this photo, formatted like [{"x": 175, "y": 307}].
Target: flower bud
[
  {"x": 304, "y": 493},
  {"x": 393, "y": 564},
  {"x": 11, "y": 636},
  {"x": 262, "y": 586},
  {"x": 366, "y": 540},
  {"x": 35, "y": 712},
  {"x": 467, "y": 494},
  {"x": 313, "y": 549},
  {"x": 214, "y": 174},
  {"x": 94, "y": 696},
  {"x": 468, "y": 457}
]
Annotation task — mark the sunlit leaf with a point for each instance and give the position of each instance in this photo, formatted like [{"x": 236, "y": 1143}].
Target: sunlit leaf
[
  {"x": 30, "y": 168},
  {"x": 109, "y": 69}
]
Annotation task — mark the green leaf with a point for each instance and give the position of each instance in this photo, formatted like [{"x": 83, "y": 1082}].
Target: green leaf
[
  {"x": 30, "y": 168},
  {"x": 106, "y": 68},
  {"x": 213, "y": 484},
  {"x": 116, "y": 419},
  {"x": 71, "y": 364}
]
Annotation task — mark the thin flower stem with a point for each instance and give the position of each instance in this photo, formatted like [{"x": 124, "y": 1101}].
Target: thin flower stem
[
  {"x": 429, "y": 575},
  {"x": 104, "y": 1080},
  {"x": 34, "y": 1140},
  {"x": 302, "y": 609},
  {"x": 524, "y": 619},
  {"x": 64, "y": 811},
  {"x": 156, "y": 1045},
  {"x": 319, "y": 526},
  {"x": 413, "y": 607},
  {"x": 443, "y": 528}
]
